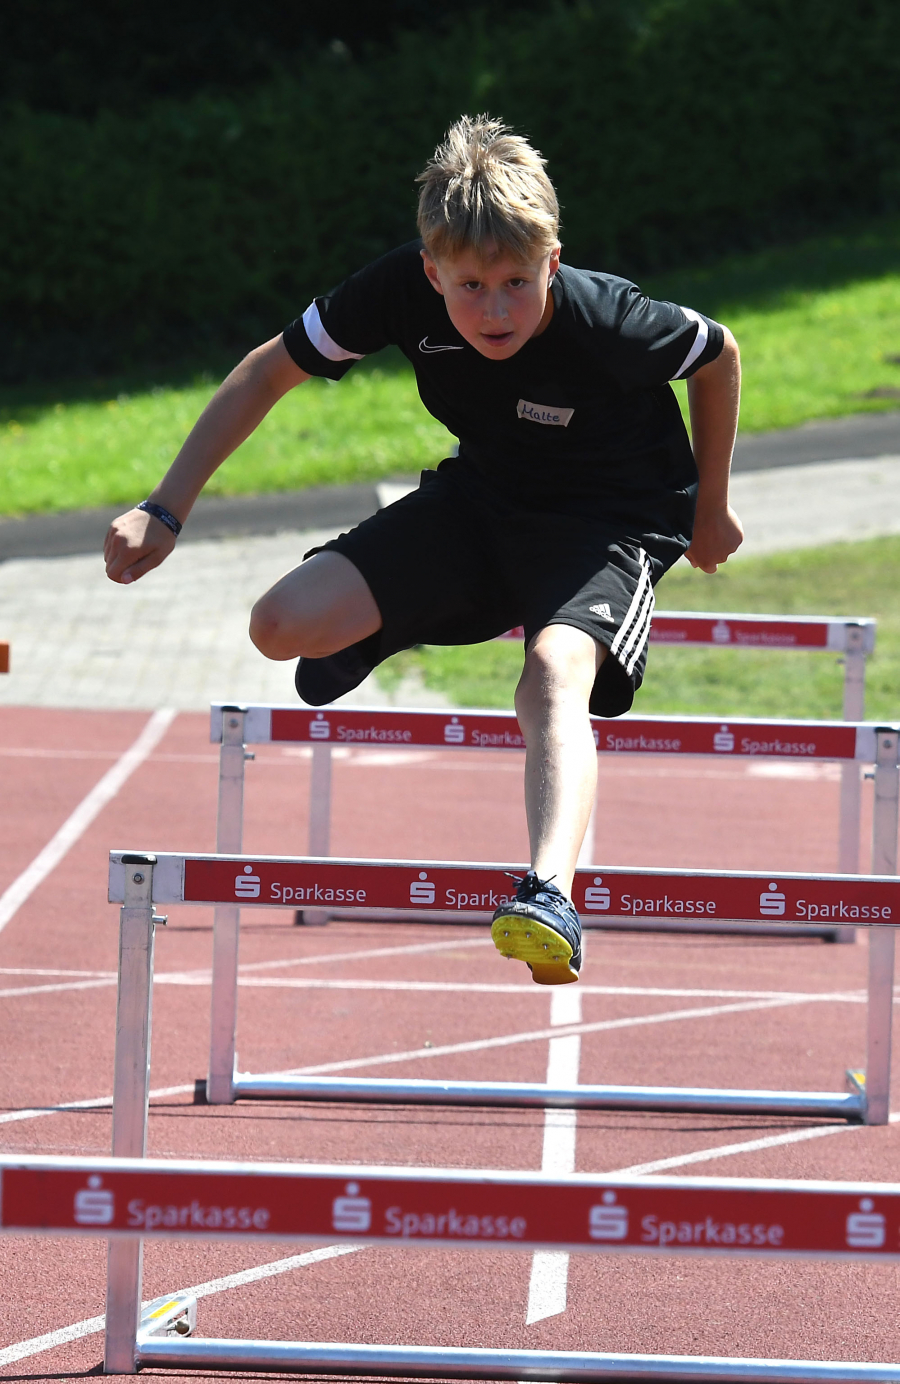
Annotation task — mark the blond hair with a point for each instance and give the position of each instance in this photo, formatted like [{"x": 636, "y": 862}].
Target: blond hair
[{"x": 486, "y": 189}]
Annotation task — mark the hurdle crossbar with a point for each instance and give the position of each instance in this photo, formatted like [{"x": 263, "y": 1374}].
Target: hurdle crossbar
[
  {"x": 127, "y": 1200},
  {"x": 141, "y": 881}
]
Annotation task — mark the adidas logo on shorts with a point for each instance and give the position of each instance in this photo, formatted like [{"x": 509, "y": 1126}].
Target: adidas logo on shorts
[{"x": 602, "y": 610}]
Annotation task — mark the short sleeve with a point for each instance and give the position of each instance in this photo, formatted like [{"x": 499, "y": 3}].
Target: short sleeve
[
  {"x": 656, "y": 341},
  {"x": 353, "y": 320}
]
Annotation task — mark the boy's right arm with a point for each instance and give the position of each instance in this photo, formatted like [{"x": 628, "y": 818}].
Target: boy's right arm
[{"x": 137, "y": 542}]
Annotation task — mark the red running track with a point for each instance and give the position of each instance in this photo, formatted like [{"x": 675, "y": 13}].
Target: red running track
[{"x": 319, "y": 997}]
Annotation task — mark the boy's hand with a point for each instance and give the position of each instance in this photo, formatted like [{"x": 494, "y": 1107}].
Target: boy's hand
[
  {"x": 135, "y": 543},
  {"x": 717, "y": 534}
]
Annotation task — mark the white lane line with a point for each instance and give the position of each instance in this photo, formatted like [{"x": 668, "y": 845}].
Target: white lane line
[
  {"x": 96, "y": 1103},
  {"x": 23, "y": 1349},
  {"x": 87, "y": 810},
  {"x": 47, "y": 971},
  {"x": 770, "y": 1141},
  {"x": 536, "y": 1035},
  {"x": 477, "y": 1045},
  {"x": 204, "y": 978},
  {"x": 550, "y": 1268},
  {"x": 17, "y": 990},
  {"x": 408, "y": 949},
  {"x": 467, "y": 987}
]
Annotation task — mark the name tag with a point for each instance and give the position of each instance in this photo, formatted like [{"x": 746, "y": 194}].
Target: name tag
[{"x": 544, "y": 413}]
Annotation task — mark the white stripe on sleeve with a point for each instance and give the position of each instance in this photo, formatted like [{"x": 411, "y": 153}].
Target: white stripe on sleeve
[
  {"x": 320, "y": 338},
  {"x": 700, "y": 340}
]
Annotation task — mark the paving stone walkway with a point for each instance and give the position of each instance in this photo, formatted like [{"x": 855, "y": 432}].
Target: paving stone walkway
[{"x": 179, "y": 636}]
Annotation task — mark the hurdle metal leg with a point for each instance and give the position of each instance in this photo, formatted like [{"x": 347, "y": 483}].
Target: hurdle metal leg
[
  {"x": 851, "y": 785},
  {"x": 131, "y": 1093},
  {"x": 881, "y": 939},
  {"x": 226, "y": 919},
  {"x": 319, "y": 824}
]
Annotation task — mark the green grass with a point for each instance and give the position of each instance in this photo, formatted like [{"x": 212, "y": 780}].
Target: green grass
[
  {"x": 113, "y": 451},
  {"x": 817, "y": 324},
  {"x": 841, "y": 579}
]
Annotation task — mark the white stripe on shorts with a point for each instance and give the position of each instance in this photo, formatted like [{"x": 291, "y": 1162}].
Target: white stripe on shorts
[
  {"x": 631, "y": 635},
  {"x": 320, "y": 338}
]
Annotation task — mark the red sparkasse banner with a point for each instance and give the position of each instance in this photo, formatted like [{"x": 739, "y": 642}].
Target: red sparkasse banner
[
  {"x": 748, "y": 634},
  {"x": 760, "y": 632},
  {"x": 612, "y": 1215},
  {"x": 735, "y": 738},
  {"x": 478, "y": 889},
  {"x": 335, "y": 726},
  {"x": 482, "y": 730}
]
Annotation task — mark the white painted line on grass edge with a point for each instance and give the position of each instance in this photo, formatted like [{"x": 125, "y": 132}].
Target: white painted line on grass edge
[{"x": 87, "y": 810}]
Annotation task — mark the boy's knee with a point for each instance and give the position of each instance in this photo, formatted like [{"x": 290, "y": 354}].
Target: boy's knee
[
  {"x": 280, "y": 639},
  {"x": 561, "y": 662}
]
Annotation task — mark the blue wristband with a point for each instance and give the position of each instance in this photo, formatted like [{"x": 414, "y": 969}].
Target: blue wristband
[{"x": 161, "y": 514}]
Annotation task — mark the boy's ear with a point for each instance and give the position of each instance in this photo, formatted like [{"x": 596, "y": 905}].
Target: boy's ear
[
  {"x": 431, "y": 271},
  {"x": 554, "y": 260}
]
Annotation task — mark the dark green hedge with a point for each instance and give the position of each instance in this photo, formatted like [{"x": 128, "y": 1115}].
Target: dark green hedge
[{"x": 675, "y": 129}]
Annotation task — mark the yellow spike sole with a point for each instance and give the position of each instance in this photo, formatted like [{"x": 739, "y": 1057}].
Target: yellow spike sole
[{"x": 540, "y": 947}]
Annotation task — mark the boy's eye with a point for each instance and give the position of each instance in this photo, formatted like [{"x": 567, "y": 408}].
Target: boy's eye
[
  {"x": 517, "y": 283},
  {"x": 472, "y": 283}
]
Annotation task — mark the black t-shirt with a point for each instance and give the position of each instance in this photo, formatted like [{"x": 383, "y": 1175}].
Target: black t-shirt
[{"x": 581, "y": 415}]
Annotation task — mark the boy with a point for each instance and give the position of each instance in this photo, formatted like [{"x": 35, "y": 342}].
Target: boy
[{"x": 574, "y": 490}]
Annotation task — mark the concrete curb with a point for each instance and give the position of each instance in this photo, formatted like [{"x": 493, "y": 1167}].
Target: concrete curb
[{"x": 83, "y": 530}]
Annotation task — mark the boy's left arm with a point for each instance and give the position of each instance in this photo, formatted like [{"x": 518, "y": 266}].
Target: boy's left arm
[{"x": 714, "y": 395}]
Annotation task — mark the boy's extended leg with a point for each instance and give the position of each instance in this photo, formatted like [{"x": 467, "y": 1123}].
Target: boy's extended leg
[{"x": 541, "y": 927}]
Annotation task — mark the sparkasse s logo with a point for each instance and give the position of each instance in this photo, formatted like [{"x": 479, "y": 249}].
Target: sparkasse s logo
[
  {"x": 608, "y": 1221},
  {"x": 247, "y": 885},
  {"x": 772, "y": 902},
  {"x": 351, "y": 1211},
  {"x": 94, "y": 1204},
  {"x": 422, "y": 889}
]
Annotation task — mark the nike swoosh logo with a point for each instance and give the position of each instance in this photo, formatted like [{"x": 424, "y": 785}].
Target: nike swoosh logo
[{"x": 429, "y": 350}]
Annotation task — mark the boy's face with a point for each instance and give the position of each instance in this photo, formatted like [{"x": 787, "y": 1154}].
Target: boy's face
[{"x": 496, "y": 305}]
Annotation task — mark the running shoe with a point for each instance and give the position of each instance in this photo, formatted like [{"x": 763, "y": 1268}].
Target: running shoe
[
  {"x": 540, "y": 927},
  {"x": 322, "y": 680}
]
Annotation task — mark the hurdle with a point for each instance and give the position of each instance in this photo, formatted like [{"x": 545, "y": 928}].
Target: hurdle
[
  {"x": 233, "y": 727},
  {"x": 126, "y": 1200},
  {"x": 140, "y": 881}
]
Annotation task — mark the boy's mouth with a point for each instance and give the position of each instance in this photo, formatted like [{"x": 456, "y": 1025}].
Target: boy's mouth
[{"x": 497, "y": 338}]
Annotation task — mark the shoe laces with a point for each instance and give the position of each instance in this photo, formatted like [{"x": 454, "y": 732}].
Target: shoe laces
[{"x": 532, "y": 882}]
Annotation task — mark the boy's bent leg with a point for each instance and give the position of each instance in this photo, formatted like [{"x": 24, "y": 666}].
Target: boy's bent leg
[
  {"x": 315, "y": 610},
  {"x": 541, "y": 927}
]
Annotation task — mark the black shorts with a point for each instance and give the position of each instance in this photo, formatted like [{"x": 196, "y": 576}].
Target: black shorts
[{"x": 445, "y": 570}]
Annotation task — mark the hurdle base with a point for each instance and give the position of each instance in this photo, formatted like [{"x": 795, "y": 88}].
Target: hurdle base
[
  {"x": 305, "y": 1357},
  {"x": 850, "y": 1105},
  {"x": 320, "y": 917},
  {"x": 172, "y": 1316}
]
